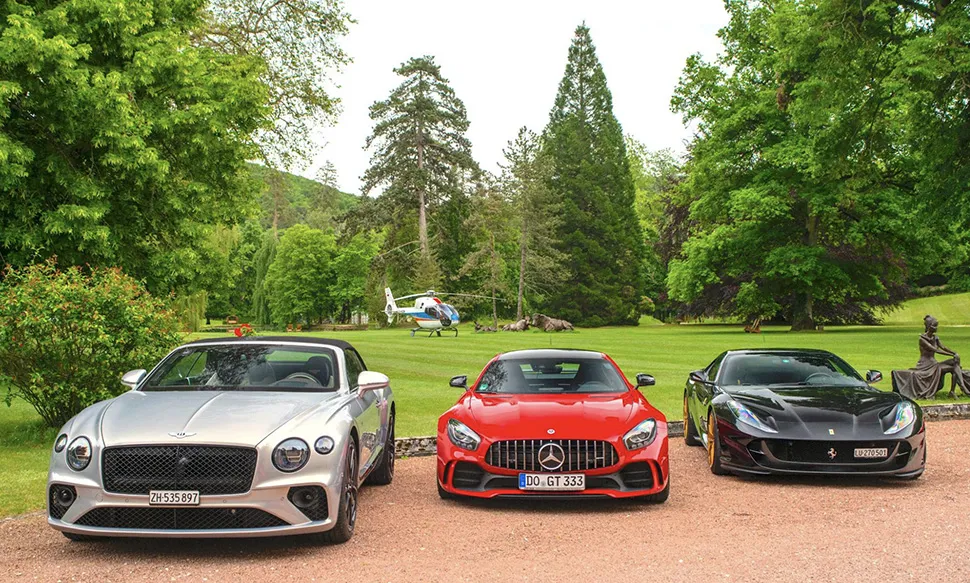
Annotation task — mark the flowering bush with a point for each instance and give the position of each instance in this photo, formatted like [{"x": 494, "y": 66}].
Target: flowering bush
[
  {"x": 67, "y": 336},
  {"x": 244, "y": 330}
]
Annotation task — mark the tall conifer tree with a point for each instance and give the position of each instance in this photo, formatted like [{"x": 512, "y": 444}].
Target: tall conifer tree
[{"x": 599, "y": 231}]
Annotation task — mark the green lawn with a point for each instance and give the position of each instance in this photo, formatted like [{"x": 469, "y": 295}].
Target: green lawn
[
  {"x": 420, "y": 367},
  {"x": 951, "y": 309}
]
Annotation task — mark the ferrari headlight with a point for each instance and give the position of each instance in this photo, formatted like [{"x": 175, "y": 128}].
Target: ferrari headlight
[
  {"x": 61, "y": 443},
  {"x": 291, "y": 455},
  {"x": 642, "y": 435},
  {"x": 79, "y": 454},
  {"x": 462, "y": 436},
  {"x": 905, "y": 416},
  {"x": 745, "y": 416}
]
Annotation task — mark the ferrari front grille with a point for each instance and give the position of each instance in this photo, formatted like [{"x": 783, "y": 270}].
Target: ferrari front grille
[
  {"x": 179, "y": 518},
  {"x": 207, "y": 468},
  {"x": 577, "y": 455}
]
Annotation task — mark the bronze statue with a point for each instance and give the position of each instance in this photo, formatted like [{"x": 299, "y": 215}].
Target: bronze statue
[{"x": 924, "y": 381}]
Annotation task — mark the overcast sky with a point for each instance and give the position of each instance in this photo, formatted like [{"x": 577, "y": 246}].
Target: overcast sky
[{"x": 505, "y": 58}]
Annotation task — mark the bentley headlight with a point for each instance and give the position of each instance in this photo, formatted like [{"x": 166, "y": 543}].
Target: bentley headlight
[
  {"x": 79, "y": 454},
  {"x": 324, "y": 445},
  {"x": 642, "y": 435},
  {"x": 462, "y": 436},
  {"x": 745, "y": 416},
  {"x": 61, "y": 443},
  {"x": 905, "y": 416},
  {"x": 291, "y": 455}
]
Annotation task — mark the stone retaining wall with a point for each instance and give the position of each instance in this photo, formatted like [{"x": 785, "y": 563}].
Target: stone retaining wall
[{"x": 421, "y": 446}]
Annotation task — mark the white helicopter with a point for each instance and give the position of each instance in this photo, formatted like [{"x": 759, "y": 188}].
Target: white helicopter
[{"x": 429, "y": 312}]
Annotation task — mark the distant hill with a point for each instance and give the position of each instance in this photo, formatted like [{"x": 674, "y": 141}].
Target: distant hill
[
  {"x": 950, "y": 310},
  {"x": 303, "y": 201}
]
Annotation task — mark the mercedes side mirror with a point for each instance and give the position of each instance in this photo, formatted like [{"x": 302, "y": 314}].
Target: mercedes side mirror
[
  {"x": 460, "y": 381},
  {"x": 372, "y": 381},
  {"x": 873, "y": 376},
  {"x": 133, "y": 377},
  {"x": 699, "y": 376},
  {"x": 645, "y": 380}
]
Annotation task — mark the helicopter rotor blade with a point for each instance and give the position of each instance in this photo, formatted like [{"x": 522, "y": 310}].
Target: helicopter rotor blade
[
  {"x": 410, "y": 296},
  {"x": 470, "y": 296}
]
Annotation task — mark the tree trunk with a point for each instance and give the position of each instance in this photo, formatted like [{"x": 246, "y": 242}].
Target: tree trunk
[
  {"x": 524, "y": 250},
  {"x": 494, "y": 284},
  {"x": 276, "y": 186},
  {"x": 802, "y": 317},
  {"x": 422, "y": 211}
]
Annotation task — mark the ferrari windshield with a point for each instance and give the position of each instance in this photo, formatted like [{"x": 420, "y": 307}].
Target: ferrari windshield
[
  {"x": 247, "y": 367},
  {"x": 551, "y": 375},
  {"x": 799, "y": 369}
]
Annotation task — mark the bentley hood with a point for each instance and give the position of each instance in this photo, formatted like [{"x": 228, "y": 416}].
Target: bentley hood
[
  {"x": 819, "y": 411},
  {"x": 211, "y": 417},
  {"x": 570, "y": 416}
]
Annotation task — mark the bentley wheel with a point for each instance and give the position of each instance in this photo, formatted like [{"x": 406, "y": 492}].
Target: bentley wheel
[
  {"x": 690, "y": 432},
  {"x": 383, "y": 474},
  {"x": 714, "y": 446},
  {"x": 347, "y": 514}
]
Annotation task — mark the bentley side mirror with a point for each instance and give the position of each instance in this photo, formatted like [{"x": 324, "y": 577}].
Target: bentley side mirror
[
  {"x": 372, "y": 381},
  {"x": 460, "y": 381},
  {"x": 699, "y": 376},
  {"x": 873, "y": 376},
  {"x": 645, "y": 380},
  {"x": 133, "y": 377}
]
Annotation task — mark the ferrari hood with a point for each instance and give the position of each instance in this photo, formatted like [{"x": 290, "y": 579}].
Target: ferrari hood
[
  {"x": 223, "y": 417},
  {"x": 819, "y": 409},
  {"x": 569, "y": 416}
]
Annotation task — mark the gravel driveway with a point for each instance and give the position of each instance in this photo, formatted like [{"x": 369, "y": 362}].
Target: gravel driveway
[{"x": 711, "y": 529}]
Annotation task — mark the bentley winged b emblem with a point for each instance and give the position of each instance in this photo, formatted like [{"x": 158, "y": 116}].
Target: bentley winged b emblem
[{"x": 181, "y": 434}]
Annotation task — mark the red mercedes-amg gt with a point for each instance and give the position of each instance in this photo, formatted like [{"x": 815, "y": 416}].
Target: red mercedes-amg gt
[{"x": 553, "y": 422}]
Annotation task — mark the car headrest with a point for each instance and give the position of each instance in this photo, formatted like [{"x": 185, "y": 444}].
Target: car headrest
[{"x": 319, "y": 367}]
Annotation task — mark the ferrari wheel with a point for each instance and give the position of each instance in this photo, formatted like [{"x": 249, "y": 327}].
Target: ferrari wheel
[
  {"x": 660, "y": 497},
  {"x": 690, "y": 432},
  {"x": 714, "y": 446},
  {"x": 347, "y": 514},
  {"x": 383, "y": 474}
]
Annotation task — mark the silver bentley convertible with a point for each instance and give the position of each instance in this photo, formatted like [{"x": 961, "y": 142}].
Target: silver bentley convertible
[{"x": 257, "y": 436}]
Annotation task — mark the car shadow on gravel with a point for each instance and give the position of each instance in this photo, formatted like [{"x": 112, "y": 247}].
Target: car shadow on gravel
[
  {"x": 225, "y": 548},
  {"x": 835, "y": 482},
  {"x": 573, "y": 505}
]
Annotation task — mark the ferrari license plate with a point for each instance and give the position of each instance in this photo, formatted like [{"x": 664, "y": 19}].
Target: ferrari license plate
[
  {"x": 871, "y": 452},
  {"x": 552, "y": 482},
  {"x": 173, "y": 498}
]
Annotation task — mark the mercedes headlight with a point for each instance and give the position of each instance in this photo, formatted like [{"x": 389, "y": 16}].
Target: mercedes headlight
[
  {"x": 79, "y": 454},
  {"x": 745, "y": 416},
  {"x": 905, "y": 416},
  {"x": 291, "y": 455},
  {"x": 642, "y": 435},
  {"x": 462, "y": 436}
]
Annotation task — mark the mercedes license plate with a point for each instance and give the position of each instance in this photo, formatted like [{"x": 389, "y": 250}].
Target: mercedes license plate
[
  {"x": 173, "y": 498},
  {"x": 871, "y": 452},
  {"x": 552, "y": 482}
]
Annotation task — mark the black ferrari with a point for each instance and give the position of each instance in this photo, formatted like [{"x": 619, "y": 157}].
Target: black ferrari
[{"x": 800, "y": 412}]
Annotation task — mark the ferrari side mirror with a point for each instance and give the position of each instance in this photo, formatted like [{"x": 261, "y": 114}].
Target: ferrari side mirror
[
  {"x": 873, "y": 376},
  {"x": 699, "y": 376},
  {"x": 645, "y": 380},
  {"x": 460, "y": 381}
]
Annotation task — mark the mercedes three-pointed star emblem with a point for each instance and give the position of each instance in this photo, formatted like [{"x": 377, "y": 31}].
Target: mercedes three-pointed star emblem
[{"x": 551, "y": 456}]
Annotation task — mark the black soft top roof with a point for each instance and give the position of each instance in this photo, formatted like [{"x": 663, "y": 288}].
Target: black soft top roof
[{"x": 341, "y": 344}]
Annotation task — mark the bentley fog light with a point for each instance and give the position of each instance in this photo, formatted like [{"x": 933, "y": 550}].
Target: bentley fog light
[
  {"x": 748, "y": 418},
  {"x": 79, "y": 454},
  {"x": 641, "y": 436},
  {"x": 291, "y": 455},
  {"x": 462, "y": 436},
  {"x": 905, "y": 416},
  {"x": 61, "y": 443},
  {"x": 324, "y": 445}
]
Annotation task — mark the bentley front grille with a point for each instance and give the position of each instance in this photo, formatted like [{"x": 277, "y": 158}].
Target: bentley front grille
[
  {"x": 577, "y": 455},
  {"x": 179, "y": 518},
  {"x": 206, "y": 468}
]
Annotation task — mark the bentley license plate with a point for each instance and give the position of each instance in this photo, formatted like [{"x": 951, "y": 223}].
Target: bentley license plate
[
  {"x": 173, "y": 498},
  {"x": 871, "y": 452},
  {"x": 552, "y": 482}
]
